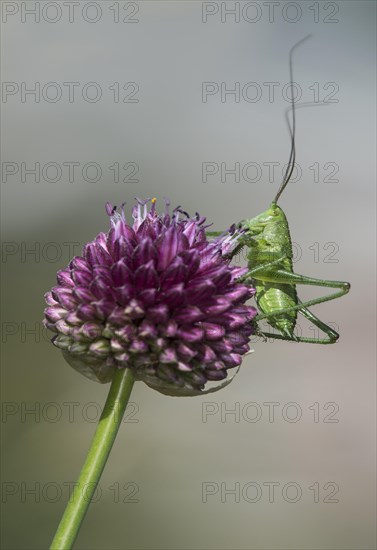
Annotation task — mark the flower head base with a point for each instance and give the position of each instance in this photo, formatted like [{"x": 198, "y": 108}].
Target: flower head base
[{"x": 155, "y": 297}]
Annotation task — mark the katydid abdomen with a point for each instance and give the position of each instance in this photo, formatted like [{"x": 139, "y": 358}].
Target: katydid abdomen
[{"x": 271, "y": 298}]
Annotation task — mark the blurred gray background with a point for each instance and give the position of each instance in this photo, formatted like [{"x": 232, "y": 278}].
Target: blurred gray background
[{"x": 294, "y": 465}]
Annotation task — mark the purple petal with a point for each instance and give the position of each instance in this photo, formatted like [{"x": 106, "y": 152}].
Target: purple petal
[
  {"x": 83, "y": 294},
  {"x": 207, "y": 354},
  {"x": 117, "y": 316},
  {"x": 138, "y": 346},
  {"x": 64, "y": 278},
  {"x": 103, "y": 308},
  {"x": 184, "y": 367},
  {"x": 103, "y": 257},
  {"x": 101, "y": 288},
  {"x": 64, "y": 297},
  {"x": 123, "y": 294},
  {"x": 159, "y": 313},
  {"x": 80, "y": 264},
  {"x": 175, "y": 296},
  {"x": 121, "y": 273},
  {"x": 237, "y": 338},
  {"x": 50, "y": 326},
  {"x": 222, "y": 346},
  {"x": 222, "y": 278},
  {"x": 221, "y": 305},
  {"x": 146, "y": 276},
  {"x": 81, "y": 277},
  {"x": 90, "y": 253},
  {"x": 196, "y": 291},
  {"x": 73, "y": 319},
  {"x": 213, "y": 331},
  {"x": 91, "y": 330},
  {"x": 134, "y": 310},
  {"x": 50, "y": 300},
  {"x": 122, "y": 248},
  {"x": 168, "y": 356},
  {"x": 147, "y": 329},
  {"x": 100, "y": 347},
  {"x": 239, "y": 294},
  {"x": 116, "y": 346},
  {"x": 191, "y": 259},
  {"x": 144, "y": 253},
  {"x": 122, "y": 358},
  {"x": 170, "y": 329},
  {"x": 67, "y": 301},
  {"x": 167, "y": 248},
  {"x": 231, "y": 359},
  {"x": 189, "y": 314},
  {"x": 126, "y": 333},
  {"x": 192, "y": 334},
  {"x": 148, "y": 296},
  {"x": 238, "y": 272},
  {"x": 86, "y": 312},
  {"x": 63, "y": 327},
  {"x": 235, "y": 320},
  {"x": 54, "y": 314},
  {"x": 190, "y": 231},
  {"x": 185, "y": 351}
]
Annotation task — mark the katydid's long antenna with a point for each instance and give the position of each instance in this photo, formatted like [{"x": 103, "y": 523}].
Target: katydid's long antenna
[{"x": 292, "y": 129}]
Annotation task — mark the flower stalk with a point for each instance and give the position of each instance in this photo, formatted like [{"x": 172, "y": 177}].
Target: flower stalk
[{"x": 96, "y": 459}]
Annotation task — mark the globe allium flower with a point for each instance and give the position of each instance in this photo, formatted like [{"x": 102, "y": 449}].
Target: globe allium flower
[{"x": 155, "y": 297}]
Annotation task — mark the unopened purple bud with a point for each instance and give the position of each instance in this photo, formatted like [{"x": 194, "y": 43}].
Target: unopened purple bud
[
  {"x": 193, "y": 334},
  {"x": 100, "y": 347},
  {"x": 64, "y": 278},
  {"x": 189, "y": 315},
  {"x": 168, "y": 356},
  {"x": 54, "y": 314}
]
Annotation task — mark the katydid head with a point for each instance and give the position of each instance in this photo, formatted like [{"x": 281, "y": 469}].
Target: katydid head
[{"x": 257, "y": 225}]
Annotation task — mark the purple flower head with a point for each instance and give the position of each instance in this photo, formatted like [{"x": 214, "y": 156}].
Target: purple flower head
[{"x": 155, "y": 297}]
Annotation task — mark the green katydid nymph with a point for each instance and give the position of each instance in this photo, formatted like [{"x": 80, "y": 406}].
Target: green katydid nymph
[{"x": 269, "y": 258}]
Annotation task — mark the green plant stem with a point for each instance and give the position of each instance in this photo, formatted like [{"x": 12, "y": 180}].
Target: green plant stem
[{"x": 98, "y": 454}]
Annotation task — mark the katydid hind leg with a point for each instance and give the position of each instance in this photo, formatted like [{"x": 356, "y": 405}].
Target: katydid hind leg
[
  {"x": 285, "y": 277},
  {"x": 332, "y": 335},
  {"x": 304, "y": 339},
  {"x": 251, "y": 274},
  {"x": 276, "y": 336}
]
